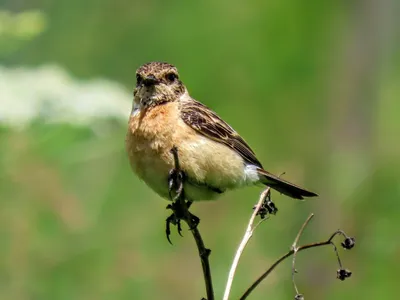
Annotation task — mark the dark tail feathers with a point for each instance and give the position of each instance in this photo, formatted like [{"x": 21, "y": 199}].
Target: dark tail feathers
[{"x": 283, "y": 186}]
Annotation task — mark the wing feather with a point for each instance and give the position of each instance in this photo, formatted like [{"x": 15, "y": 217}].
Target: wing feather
[{"x": 208, "y": 123}]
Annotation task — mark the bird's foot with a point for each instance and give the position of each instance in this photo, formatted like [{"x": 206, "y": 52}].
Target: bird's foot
[
  {"x": 180, "y": 211},
  {"x": 267, "y": 206},
  {"x": 174, "y": 220}
]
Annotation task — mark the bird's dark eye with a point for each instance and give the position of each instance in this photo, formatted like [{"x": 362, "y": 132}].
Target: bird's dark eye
[
  {"x": 171, "y": 77},
  {"x": 138, "y": 79}
]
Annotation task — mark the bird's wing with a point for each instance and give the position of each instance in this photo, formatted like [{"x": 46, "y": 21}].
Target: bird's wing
[{"x": 208, "y": 123}]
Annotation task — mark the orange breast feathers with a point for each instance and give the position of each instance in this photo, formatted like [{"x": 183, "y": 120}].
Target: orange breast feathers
[{"x": 151, "y": 134}]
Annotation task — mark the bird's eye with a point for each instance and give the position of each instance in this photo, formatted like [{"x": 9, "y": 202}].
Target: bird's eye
[
  {"x": 138, "y": 79},
  {"x": 171, "y": 77}
]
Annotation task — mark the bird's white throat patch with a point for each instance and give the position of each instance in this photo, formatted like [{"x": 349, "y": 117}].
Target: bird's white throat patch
[{"x": 135, "y": 109}]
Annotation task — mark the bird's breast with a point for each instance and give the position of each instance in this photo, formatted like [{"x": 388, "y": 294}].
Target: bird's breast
[{"x": 150, "y": 135}]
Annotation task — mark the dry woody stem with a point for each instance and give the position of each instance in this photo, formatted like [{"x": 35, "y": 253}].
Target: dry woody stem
[
  {"x": 204, "y": 253},
  {"x": 247, "y": 236}
]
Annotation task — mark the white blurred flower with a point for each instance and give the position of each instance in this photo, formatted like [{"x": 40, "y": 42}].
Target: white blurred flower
[{"x": 49, "y": 93}]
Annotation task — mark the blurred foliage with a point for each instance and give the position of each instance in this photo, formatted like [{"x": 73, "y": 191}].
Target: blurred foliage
[
  {"x": 313, "y": 88},
  {"x": 16, "y": 29}
]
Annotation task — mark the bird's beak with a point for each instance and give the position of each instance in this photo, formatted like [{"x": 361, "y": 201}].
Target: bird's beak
[{"x": 150, "y": 80}]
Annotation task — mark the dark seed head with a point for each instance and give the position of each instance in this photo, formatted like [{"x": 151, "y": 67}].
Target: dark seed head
[
  {"x": 342, "y": 274},
  {"x": 348, "y": 243},
  {"x": 262, "y": 212},
  {"x": 270, "y": 206}
]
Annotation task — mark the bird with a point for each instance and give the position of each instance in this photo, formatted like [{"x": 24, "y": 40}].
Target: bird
[{"x": 212, "y": 155}]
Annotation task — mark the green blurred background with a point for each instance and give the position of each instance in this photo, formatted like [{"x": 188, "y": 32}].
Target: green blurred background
[{"x": 313, "y": 87}]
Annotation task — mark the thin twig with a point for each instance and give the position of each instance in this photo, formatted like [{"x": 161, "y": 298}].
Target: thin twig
[
  {"x": 295, "y": 249},
  {"x": 204, "y": 253},
  {"x": 337, "y": 254},
  {"x": 294, "y": 245},
  {"x": 290, "y": 253},
  {"x": 247, "y": 235}
]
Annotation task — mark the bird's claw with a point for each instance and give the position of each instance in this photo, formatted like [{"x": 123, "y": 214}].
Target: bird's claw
[
  {"x": 180, "y": 211},
  {"x": 168, "y": 229},
  {"x": 172, "y": 219}
]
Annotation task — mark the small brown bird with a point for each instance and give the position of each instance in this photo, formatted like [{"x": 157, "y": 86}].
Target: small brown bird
[{"x": 212, "y": 154}]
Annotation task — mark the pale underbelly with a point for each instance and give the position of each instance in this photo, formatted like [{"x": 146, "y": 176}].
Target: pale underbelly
[
  {"x": 154, "y": 172},
  {"x": 211, "y": 168}
]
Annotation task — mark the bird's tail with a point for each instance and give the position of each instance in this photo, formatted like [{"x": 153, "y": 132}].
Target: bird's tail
[{"x": 283, "y": 186}]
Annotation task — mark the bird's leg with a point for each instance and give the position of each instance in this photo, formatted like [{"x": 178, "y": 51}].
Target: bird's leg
[
  {"x": 175, "y": 184},
  {"x": 267, "y": 206},
  {"x": 176, "y": 178},
  {"x": 179, "y": 206}
]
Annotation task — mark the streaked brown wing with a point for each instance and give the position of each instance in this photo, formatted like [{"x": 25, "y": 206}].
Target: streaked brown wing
[{"x": 205, "y": 121}]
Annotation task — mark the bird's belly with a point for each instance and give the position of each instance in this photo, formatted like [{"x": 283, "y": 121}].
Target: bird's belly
[
  {"x": 206, "y": 178},
  {"x": 153, "y": 169}
]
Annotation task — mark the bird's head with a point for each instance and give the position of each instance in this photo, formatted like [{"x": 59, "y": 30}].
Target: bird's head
[{"x": 157, "y": 83}]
